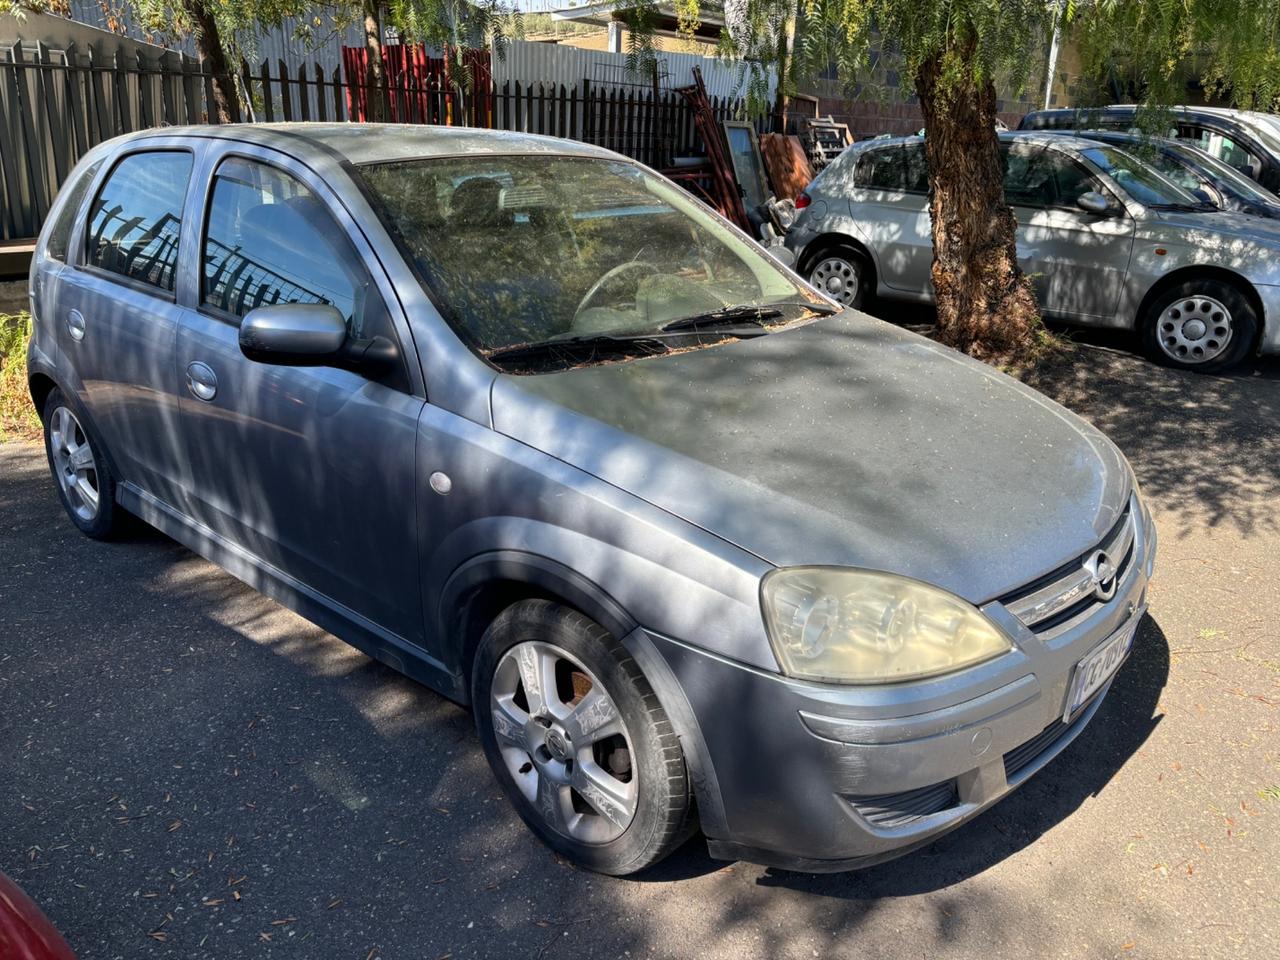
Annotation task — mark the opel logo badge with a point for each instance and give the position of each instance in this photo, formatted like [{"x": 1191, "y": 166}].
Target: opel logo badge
[
  {"x": 1103, "y": 572},
  {"x": 556, "y": 745}
]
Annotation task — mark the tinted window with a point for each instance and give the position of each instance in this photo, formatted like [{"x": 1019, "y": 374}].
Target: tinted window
[
  {"x": 270, "y": 240},
  {"x": 1038, "y": 176},
  {"x": 60, "y": 232},
  {"x": 916, "y": 170},
  {"x": 883, "y": 169},
  {"x": 134, "y": 222}
]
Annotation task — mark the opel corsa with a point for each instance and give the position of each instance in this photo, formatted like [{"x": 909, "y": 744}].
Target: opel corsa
[{"x": 523, "y": 420}]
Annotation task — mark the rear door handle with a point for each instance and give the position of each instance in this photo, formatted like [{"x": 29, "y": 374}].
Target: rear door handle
[
  {"x": 75, "y": 325},
  {"x": 201, "y": 380}
]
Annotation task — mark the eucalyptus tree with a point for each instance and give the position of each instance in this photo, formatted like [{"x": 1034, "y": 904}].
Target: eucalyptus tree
[{"x": 955, "y": 55}]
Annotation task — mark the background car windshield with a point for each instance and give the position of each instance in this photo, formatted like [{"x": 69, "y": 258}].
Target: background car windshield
[
  {"x": 1138, "y": 179},
  {"x": 523, "y": 249}
]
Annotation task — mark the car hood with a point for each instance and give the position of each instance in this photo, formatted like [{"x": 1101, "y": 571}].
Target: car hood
[
  {"x": 842, "y": 441},
  {"x": 1227, "y": 224}
]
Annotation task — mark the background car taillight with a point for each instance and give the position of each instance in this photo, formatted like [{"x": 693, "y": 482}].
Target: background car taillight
[{"x": 803, "y": 201}]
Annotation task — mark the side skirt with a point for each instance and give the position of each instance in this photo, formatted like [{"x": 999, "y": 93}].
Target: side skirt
[{"x": 343, "y": 623}]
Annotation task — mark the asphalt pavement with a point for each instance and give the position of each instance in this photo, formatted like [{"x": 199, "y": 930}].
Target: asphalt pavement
[{"x": 190, "y": 771}]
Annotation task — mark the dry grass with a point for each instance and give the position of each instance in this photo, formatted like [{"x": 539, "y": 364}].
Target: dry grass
[{"x": 18, "y": 418}]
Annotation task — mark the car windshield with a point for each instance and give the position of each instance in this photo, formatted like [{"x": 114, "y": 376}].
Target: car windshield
[
  {"x": 523, "y": 250},
  {"x": 1138, "y": 179},
  {"x": 1224, "y": 173}
]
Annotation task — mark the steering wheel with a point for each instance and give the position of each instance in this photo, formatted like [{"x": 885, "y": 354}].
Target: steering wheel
[{"x": 637, "y": 266}]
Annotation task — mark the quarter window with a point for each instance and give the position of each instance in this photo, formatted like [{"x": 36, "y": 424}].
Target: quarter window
[
  {"x": 136, "y": 219},
  {"x": 270, "y": 240},
  {"x": 60, "y": 232}
]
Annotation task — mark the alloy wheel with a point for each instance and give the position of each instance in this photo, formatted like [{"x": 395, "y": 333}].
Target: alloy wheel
[
  {"x": 1194, "y": 329},
  {"x": 564, "y": 743},
  {"x": 73, "y": 463},
  {"x": 838, "y": 278}
]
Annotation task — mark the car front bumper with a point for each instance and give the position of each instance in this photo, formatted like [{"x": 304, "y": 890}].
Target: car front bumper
[{"x": 825, "y": 777}]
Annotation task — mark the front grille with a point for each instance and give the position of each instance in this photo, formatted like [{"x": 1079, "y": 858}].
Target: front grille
[
  {"x": 1019, "y": 757},
  {"x": 900, "y": 809},
  {"x": 1068, "y": 594}
]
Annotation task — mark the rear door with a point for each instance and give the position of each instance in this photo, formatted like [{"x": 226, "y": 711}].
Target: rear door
[
  {"x": 891, "y": 204},
  {"x": 1076, "y": 260},
  {"x": 116, "y": 313},
  {"x": 311, "y": 469}
]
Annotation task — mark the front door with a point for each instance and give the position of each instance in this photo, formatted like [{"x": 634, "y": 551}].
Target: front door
[
  {"x": 117, "y": 318},
  {"x": 1077, "y": 260},
  {"x": 310, "y": 469}
]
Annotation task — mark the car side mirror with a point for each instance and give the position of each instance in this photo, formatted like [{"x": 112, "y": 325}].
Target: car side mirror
[
  {"x": 1094, "y": 202},
  {"x": 293, "y": 333}
]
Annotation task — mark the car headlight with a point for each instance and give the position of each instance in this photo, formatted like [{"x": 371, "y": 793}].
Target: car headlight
[{"x": 858, "y": 626}]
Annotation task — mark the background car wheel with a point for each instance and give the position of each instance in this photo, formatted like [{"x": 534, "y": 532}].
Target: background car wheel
[
  {"x": 1205, "y": 325},
  {"x": 85, "y": 484},
  {"x": 842, "y": 273},
  {"x": 578, "y": 740}
]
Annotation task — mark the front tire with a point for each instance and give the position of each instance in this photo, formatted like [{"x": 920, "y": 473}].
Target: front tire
[
  {"x": 1206, "y": 325},
  {"x": 579, "y": 742},
  {"x": 86, "y": 486}
]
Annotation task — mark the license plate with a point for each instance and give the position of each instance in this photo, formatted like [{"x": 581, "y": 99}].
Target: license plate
[{"x": 1097, "y": 668}]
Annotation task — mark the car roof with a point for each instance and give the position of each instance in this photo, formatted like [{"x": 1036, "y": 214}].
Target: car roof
[
  {"x": 381, "y": 142},
  {"x": 1063, "y": 139}
]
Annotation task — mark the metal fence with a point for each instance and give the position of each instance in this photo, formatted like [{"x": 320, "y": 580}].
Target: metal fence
[{"x": 56, "y": 105}]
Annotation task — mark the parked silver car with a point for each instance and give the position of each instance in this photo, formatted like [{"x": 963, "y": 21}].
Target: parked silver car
[
  {"x": 1107, "y": 240},
  {"x": 525, "y": 421}
]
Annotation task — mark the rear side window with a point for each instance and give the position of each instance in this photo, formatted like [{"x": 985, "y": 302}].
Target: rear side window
[
  {"x": 60, "y": 232},
  {"x": 270, "y": 240},
  {"x": 883, "y": 169},
  {"x": 136, "y": 219}
]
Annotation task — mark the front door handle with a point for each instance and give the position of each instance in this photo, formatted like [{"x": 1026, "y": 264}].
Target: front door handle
[{"x": 201, "y": 380}]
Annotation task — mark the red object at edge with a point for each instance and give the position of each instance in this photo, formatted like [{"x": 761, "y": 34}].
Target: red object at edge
[{"x": 25, "y": 932}]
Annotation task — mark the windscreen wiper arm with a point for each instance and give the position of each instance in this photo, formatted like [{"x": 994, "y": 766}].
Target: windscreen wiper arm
[{"x": 746, "y": 313}]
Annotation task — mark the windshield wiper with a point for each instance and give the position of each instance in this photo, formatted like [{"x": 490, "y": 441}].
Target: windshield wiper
[
  {"x": 596, "y": 345},
  {"x": 1185, "y": 207},
  {"x": 746, "y": 313}
]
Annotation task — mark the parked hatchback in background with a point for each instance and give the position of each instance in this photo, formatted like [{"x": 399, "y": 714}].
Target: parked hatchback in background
[
  {"x": 1107, "y": 240},
  {"x": 1245, "y": 140},
  {"x": 1197, "y": 172},
  {"x": 523, "y": 420}
]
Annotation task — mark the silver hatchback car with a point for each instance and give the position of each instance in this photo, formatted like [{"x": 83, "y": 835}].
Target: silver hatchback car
[
  {"x": 523, "y": 420},
  {"x": 1107, "y": 240}
]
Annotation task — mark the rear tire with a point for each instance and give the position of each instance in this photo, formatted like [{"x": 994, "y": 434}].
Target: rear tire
[
  {"x": 843, "y": 273},
  {"x": 578, "y": 740},
  {"x": 1204, "y": 324},
  {"x": 86, "y": 485}
]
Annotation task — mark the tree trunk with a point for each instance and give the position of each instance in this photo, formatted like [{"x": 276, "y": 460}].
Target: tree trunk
[
  {"x": 986, "y": 306},
  {"x": 376, "y": 75},
  {"x": 214, "y": 59}
]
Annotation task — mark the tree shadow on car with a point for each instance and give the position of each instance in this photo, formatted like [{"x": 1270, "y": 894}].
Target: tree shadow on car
[{"x": 1083, "y": 770}]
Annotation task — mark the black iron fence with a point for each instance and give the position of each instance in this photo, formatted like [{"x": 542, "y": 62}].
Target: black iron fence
[{"x": 57, "y": 104}]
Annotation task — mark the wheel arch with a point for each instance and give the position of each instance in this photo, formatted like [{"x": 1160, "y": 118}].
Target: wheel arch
[
  {"x": 484, "y": 586},
  {"x": 1200, "y": 271},
  {"x": 40, "y": 385}
]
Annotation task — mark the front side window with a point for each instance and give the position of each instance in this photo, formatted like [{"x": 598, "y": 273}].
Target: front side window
[
  {"x": 135, "y": 221},
  {"x": 526, "y": 249},
  {"x": 270, "y": 240},
  {"x": 1138, "y": 179},
  {"x": 60, "y": 232}
]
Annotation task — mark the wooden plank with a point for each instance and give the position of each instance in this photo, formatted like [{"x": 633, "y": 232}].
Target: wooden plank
[
  {"x": 146, "y": 94},
  {"x": 338, "y": 99},
  {"x": 190, "y": 89},
  {"x": 304, "y": 93},
  {"x": 77, "y": 102},
  {"x": 56, "y": 143},
  {"x": 264, "y": 74},
  {"x": 318, "y": 73},
  {"x": 16, "y": 220},
  {"x": 37, "y": 183},
  {"x": 286, "y": 97},
  {"x": 97, "y": 93}
]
